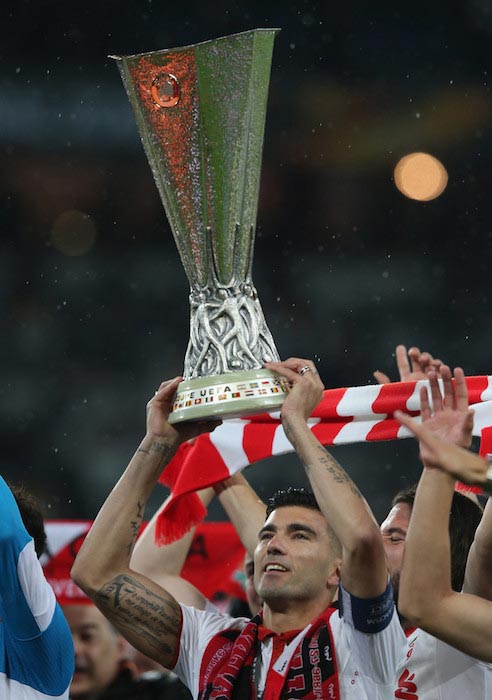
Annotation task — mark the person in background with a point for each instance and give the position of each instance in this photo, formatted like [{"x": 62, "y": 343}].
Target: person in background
[
  {"x": 461, "y": 620},
  {"x": 104, "y": 665},
  {"x": 431, "y": 669},
  {"x": 36, "y": 650}
]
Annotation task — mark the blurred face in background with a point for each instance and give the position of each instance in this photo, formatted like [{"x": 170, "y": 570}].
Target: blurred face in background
[
  {"x": 394, "y": 532},
  {"x": 98, "y": 650},
  {"x": 254, "y": 600}
]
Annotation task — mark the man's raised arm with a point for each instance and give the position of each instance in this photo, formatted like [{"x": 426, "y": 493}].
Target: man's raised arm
[
  {"x": 145, "y": 613},
  {"x": 364, "y": 569}
]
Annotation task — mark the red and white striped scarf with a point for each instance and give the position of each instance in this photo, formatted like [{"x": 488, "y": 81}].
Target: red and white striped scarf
[
  {"x": 306, "y": 668},
  {"x": 349, "y": 415}
]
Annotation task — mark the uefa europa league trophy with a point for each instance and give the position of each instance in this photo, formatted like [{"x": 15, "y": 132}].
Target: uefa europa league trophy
[{"x": 201, "y": 115}]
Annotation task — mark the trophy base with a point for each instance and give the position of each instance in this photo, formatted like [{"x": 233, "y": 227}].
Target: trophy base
[{"x": 231, "y": 395}]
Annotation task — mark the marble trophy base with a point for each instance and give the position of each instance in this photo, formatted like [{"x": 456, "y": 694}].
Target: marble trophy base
[{"x": 231, "y": 395}]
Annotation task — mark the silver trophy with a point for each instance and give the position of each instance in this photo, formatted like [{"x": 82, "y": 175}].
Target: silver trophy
[{"x": 201, "y": 115}]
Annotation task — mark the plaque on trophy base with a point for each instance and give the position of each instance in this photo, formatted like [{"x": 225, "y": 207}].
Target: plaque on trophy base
[{"x": 201, "y": 115}]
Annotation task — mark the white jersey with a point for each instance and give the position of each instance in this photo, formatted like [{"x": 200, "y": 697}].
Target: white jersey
[
  {"x": 366, "y": 662},
  {"x": 433, "y": 670}
]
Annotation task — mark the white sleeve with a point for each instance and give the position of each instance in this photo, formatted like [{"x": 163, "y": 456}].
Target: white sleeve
[
  {"x": 378, "y": 654},
  {"x": 373, "y": 631},
  {"x": 198, "y": 628}
]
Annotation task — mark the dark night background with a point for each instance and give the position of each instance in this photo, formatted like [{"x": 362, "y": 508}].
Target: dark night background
[{"x": 345, "y": 265}]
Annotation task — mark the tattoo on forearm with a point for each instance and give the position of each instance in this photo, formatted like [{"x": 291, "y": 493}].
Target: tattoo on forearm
[
  {"x": 132, "y": 607},
  {"x": 135, "y": 526},
  {"x": 290, "y": 436},
  {"x": 332, "y": 467},
  {"x": 329, "y": 462},
  {"x": 162, "y": 449}
]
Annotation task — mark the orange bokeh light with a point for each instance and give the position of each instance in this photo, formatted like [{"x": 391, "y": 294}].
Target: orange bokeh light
[{"x": 420, "y": 176}]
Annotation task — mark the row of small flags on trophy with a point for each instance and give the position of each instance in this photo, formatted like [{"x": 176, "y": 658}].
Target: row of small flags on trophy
[
  {"x": 345, "y": 415},
  {"x": 228, "y": 392}
]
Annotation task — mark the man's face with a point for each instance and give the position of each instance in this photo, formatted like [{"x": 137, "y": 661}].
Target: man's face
[
  {"x": 394, "y": 532},
  {"x": 293, "y": 558},
  {"x": 98, "y": 650}
]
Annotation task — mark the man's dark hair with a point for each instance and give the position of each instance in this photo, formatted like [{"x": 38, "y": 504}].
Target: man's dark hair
[
  {"x": 292, "y": 497},
  {"x": 31, "y": 515},
  {"x": 305, "y": 499},
  {"x": 463, "y": 521}
]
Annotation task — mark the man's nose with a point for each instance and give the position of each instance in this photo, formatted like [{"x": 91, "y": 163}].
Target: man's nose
[
  {"x": 276, "y": 545},
  {"x": 77, "y": 645}
]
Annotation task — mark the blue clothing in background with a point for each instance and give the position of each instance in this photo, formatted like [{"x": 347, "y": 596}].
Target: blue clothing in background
[{"x": 36, "y": 648}]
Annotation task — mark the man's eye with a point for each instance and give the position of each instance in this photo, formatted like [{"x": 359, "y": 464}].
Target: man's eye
[
  {"x": 88, "y": 638},
  {"x": 300, "y": 536},
  {"x": 265, "y": 536},
  {"x": 395, "y": 538}
]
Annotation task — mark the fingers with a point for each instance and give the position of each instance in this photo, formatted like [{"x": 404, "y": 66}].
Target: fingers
[
  {"x": 422, "y": 362},
  {"x": 166, "y": 390},
  {"x": 402, "y": 361},
  {"x": 435, "y": 391},
  {"x": 408, "y": 422},
  {"x": 291, "y": 369},
  {"x": 420, "y": 432},
  {"x": 425, "y": 409},
  {"x": 294, "y": 364},
  {"x": 453, "y": 396},
  {"x": 381, "y": 378},
  {"x": 448, "y": 388},
  {"x": 414, "y": 355},
  {"x": 468, "y": 428},
  {"x": 461, "y": 390}
]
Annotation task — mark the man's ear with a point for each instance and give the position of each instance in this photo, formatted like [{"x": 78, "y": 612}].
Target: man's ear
[{"x": 334, "y": 575}]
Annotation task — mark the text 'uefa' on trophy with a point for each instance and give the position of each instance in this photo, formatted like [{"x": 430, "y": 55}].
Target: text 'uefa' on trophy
[{"x": 201, "y": 114}]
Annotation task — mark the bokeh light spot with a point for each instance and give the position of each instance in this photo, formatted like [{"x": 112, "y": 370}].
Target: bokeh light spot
[
  {"x": 73, "y": 233},
  {"x": 420, "y": 176}
]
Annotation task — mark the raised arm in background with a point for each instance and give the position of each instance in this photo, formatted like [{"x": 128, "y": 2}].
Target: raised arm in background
[
  {"x": 364, "y": 571},
  {"x": 426, "y": 596},
  {"x": 163, "y": 564},
  {"x": 245, "y": 509},
  {"x": 470, "y": 469},
  {"x": 146, "y": 614},
  {"x": 411, "y": 366}
]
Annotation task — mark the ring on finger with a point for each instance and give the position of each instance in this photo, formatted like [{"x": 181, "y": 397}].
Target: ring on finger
[{"x": 305, "y": 369}]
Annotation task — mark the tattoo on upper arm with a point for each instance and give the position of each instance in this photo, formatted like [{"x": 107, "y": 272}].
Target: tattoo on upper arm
[{"x": 135, "y": 609}]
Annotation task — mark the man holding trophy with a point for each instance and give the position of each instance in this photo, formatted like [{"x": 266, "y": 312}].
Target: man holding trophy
[
  {"x": 201, "y": 113},
  {"x": 300, "y": 645}
]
